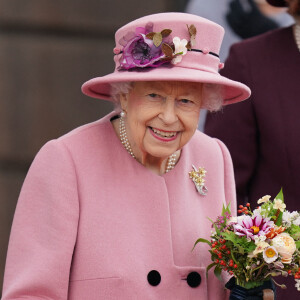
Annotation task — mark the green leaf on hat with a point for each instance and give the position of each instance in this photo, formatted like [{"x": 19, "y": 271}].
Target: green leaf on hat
[{"x": 157, "y": 39}]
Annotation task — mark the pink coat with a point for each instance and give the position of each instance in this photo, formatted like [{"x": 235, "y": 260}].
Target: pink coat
[{"x": 91, "y": 222}]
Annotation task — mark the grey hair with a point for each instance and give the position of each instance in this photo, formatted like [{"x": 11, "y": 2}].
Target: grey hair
[
  {"x": 212, "y": 98},
  {"x": 118, "y": 89}
]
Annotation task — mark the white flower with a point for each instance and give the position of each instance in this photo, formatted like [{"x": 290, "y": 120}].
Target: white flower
[
  {"x": 180, "y": 47},
  {"x": 270, "y": 254},
  {"x": 285, "y": 245},
  {"x": 259, "y": 239},
  {"x": 297, "y": 221},
  {"x": 294, "y": 215},
  {"x": 264, "y": 199},
  {"x": 257, "y": 211},
  {"x": 287, "y": 218},
  {"x": 278, "y": 204},
  {"x": 232, "y": 220},
  {"x": 235, "y": 219},
  {"x": 297, "y": 285},
  {"x": 261, "y": 246}
]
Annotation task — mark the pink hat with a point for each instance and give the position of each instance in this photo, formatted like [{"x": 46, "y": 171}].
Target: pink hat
[
  {"x": 168, "y": 47},
  {"x": 279, "y": 3}
]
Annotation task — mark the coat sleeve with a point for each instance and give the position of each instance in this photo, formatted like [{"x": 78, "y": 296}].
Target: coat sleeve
[
  {"x": 236, "y": 124},
  {"x": 44, "y": 229}
]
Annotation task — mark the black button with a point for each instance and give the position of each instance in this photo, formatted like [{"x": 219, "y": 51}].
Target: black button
[
  {"x": 154, "y": 278},
  {"x": 193, "y": 279}
]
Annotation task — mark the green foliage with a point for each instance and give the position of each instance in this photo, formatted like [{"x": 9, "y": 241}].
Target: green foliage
[
  {"x": 201, "y": 241},
  {"x": 226, "y": 209},
  {"x": 217, "y": 272},
  {"x": 209, "y": 267},
  {"x": 240, "y": 242},
  {"x": 267, "y": 210},
  {"x": 294, "y": 231},
  {"x": 280, "y": 196},
  {"x": 250, "y": 284},
  {"x": 279, "y": 219},
  {"x": 210, "y": 219}
]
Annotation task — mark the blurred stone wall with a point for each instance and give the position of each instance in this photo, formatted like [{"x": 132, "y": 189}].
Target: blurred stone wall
[{"x": 48, "y": 48}]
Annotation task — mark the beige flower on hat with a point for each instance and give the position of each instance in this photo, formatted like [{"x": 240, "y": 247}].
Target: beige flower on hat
[
  {"x": 180, "y": 48},
  {"x": 285, "y": 245},
  {"x": 264, "y": 199},
  {"x": 278, "y": 204}
]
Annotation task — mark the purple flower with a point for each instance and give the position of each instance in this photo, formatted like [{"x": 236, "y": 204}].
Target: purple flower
[
  {"x": 139, "y": 51},
  {"x": 251, "y": 227}
]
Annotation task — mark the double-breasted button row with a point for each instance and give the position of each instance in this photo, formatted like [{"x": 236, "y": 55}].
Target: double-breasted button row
[{"x": 193, "y": 279}]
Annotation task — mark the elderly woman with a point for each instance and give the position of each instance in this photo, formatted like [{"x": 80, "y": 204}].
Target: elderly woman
[{"x": 110, "y": 210}]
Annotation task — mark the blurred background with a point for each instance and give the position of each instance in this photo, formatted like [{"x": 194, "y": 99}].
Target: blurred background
[{"x": 48, "y": 48}]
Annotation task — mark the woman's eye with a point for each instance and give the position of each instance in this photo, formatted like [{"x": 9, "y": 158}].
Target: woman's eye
[
  {"x": 186, "y": 101},
  {"x": 153, "y": 95}
]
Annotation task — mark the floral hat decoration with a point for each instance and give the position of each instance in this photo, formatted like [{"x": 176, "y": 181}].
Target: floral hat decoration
[{"x": 168, "y": 47}]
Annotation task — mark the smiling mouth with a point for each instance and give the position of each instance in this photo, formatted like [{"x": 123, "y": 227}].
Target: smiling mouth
[{"x": 164, "y": 134}]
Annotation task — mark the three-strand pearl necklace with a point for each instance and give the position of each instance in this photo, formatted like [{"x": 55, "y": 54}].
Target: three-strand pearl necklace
[
  {"x": 126, "y": 144},
  {"x": 297, "y": 34}
]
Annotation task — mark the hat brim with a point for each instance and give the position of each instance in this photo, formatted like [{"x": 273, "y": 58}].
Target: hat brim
[
  {"x": 278, "y": 3},
  {"x": 232, "y": 91}
]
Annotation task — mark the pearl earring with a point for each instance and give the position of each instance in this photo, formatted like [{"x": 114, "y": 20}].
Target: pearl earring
[{"x": 123, "y": 114}]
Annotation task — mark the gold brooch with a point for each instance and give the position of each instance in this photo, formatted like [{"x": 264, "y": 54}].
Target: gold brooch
[{"x": 198, "y": 178}]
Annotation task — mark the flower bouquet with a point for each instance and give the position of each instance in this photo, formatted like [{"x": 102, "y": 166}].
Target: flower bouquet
[{"x": 257, "y": 245}]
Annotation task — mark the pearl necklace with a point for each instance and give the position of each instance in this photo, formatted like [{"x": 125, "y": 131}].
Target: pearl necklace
[
  {"x": 125, "y": 142},
  {"x": 297, "y": 35}
]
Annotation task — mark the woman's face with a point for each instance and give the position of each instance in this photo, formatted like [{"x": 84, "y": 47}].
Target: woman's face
[{"x": 161, "y": 116}]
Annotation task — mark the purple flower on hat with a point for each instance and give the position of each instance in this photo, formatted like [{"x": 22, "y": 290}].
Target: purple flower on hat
[
  {"x": 140, "y": 51},
  {"x": 253, "y": 226}
]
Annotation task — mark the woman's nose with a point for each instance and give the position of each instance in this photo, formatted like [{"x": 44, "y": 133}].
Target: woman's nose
[{"x": 169, "y": 114}]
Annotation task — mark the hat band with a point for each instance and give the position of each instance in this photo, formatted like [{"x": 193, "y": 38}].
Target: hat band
[
  {"x": 192, "y": 60},
  {"x": 204, "y": 52},
  {"x": 195, "y": 50},
  {"x": 204, "y": 62}
]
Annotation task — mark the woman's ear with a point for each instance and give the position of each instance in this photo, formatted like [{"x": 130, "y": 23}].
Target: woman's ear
[{"x": 124, "y": 101}]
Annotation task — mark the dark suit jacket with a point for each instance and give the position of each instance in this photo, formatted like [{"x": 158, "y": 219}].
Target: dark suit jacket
[{"x": 263, "y": 133}]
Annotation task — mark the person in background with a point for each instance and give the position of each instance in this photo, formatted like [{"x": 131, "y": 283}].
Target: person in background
[
  {"x": 241, "y": 19},
  {"x": 263, "y": 134}
]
